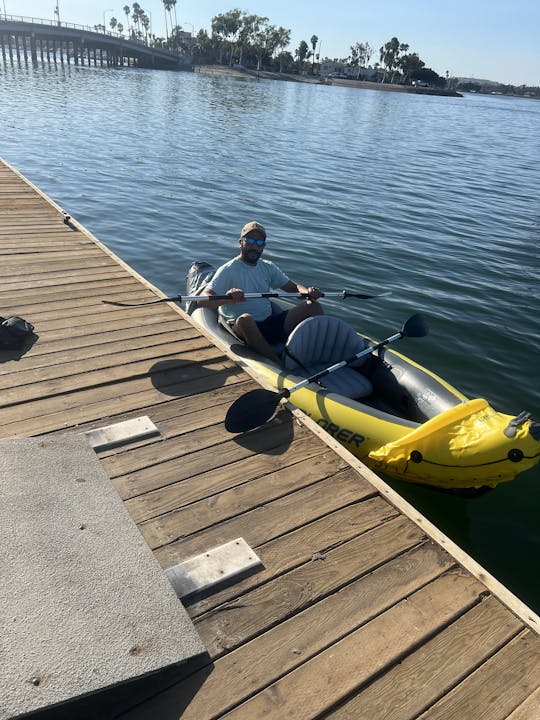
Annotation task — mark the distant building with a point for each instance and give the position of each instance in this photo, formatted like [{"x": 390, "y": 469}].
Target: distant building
[
  {"x": 336, "y": 68},
  {"x": 187, "y": 38}
]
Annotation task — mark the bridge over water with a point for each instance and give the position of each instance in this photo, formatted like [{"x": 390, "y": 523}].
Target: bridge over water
[{"x": 26, "y": 39}]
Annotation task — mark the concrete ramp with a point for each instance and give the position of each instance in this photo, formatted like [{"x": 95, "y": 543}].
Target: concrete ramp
[{"x": 85, "y": 605}]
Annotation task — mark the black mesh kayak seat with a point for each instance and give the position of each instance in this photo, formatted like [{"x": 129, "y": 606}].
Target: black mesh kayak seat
[{"x": 322, "y": 341}]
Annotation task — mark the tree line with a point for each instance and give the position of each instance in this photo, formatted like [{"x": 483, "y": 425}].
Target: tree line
[
  {"x": 139, "y": 28},
  {"x": 249, "y": 40}
]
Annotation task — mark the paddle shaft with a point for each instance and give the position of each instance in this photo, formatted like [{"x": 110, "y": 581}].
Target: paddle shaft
[
  {"x": 247, "y": 296},
  {"x": 286, "y": 392}
]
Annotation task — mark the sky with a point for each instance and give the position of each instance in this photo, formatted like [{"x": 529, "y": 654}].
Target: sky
[{"x": 483, "y": 39}]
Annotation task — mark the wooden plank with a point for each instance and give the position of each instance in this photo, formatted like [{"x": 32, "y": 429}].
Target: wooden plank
[
  {"x": 206, "y": 435},
  {"x": 529, "y": 709},
  {"x": 295, "y": 548},
  {"x": 430, "y": 672},
  {"x": 96, "y": 261},
  {"x": 181, "y": 416},
  {"x": 108, "y": 369},
  {"x": 20, "y": 240},
  {"x": 342, "y": 669},
  {"x": 73, "y": 359},
  {"x": 260, "y": 609},
  {"x": 74, "y": 254},
  {"x": 81, "y": 307},
  {"x": 48, "y": 244},
  {"x": 250, "y": 668},
  {"x": 39, "y": 281},
  {"x": 497, "y": 687},
  {"x": 49, "y": 414},
  {"x": 67, "y": 290},
  {"x": 69, "y": 293},
  {"x": 219, "y": 506},
  {"x": 70, "y": 347},
  {"x": 265, "y": 523},
  {"x": 64, "y": 324},
  {"x": 223, "y": 495},
  {"x": 188, "y": 462}
]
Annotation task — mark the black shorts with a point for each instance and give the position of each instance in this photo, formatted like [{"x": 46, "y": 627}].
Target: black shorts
[{"x": 272, "y": 327}]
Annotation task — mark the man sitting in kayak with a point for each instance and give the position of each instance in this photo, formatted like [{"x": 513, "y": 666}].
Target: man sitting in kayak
[{"x": 252, "y": 319}]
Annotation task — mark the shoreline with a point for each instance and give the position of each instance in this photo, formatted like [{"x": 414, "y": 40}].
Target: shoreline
[{"x": 245, "y": 74}]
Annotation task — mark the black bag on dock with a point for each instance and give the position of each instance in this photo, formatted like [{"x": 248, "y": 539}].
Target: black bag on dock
[{"x": 14, "y": 331}]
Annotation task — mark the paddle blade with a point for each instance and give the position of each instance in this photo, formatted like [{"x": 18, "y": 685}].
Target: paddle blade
[
  {"x": 364, "y": 296},
  {"x": 415, "y": 327},
  {"x": 251, "y": 410},
  {"x": 141, "y": 304}
]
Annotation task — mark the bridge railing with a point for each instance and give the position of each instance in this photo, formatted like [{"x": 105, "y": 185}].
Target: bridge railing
[
  {"x": 55, "y": 23},
  {"x": 85, "y": 28}
]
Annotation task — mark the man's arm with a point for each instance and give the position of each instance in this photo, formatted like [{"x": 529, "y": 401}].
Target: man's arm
[
  {"x": 313, "y": 292},
  {"x": 236, "y": 294}
]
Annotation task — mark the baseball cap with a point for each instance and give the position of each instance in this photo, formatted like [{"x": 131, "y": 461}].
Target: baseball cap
[{"x": 251, "y": 227}]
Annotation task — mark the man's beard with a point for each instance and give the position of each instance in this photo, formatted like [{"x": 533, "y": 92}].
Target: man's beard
[{"x": 251, "y": 257}]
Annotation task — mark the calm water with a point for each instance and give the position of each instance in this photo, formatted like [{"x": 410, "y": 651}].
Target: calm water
[{"x": 436, "y": 199}]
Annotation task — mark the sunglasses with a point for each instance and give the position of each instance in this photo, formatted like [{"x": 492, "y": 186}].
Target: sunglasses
[{"x": 253, "y": 241}]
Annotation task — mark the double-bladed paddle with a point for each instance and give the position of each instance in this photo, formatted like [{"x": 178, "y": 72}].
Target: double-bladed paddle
[
  {"x": 248, "y": 296},
  {"x": 257, "y": 406}
]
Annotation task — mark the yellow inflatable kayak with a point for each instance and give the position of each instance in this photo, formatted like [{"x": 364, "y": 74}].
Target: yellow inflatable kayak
[{"x": 396, "y": 416}]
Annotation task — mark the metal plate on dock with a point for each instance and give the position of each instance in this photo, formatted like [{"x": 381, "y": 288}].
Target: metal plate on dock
[
  {"x": 85, "y": 605},
  {"x": 120, "y": 433},
  {"x": 218, "y": 566}
]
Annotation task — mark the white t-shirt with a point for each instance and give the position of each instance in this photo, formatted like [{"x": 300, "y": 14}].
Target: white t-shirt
[{"x": 260, "y": 278}]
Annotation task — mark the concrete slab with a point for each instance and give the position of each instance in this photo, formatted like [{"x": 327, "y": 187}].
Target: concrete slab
[{"x": 84, "y": 603}]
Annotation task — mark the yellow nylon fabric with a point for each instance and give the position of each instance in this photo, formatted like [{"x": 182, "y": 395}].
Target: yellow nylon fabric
[{"x": 463, "y": 447}]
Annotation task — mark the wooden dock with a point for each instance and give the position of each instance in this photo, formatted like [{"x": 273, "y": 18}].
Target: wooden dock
[{"x": 363, "y": 608}]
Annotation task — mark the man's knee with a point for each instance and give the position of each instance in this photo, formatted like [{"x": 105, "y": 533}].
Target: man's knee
[
  {"x": 244, "y": 323},
  {"x": 314, "y": 308}
]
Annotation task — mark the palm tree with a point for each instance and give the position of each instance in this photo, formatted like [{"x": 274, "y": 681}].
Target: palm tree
[
  {"x": 301, "y": 53},
  {"x": 136, "y": 17},
  {"x": 281, "y": 40},
  {"x": 113, "y": 22},
  {"x": 169, "y": 5},
  {"x": 127, "y": 10},
  {"x": 145, "y": 22},
  {"x": 173, "y": 3},
  {"x": 165, "y": 3},
  {"x": 314, "y": 40}
]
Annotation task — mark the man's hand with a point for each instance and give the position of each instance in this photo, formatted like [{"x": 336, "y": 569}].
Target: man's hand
[
  {"x": 313, "y": 293},
  {"x": 237, "y": 296}
]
